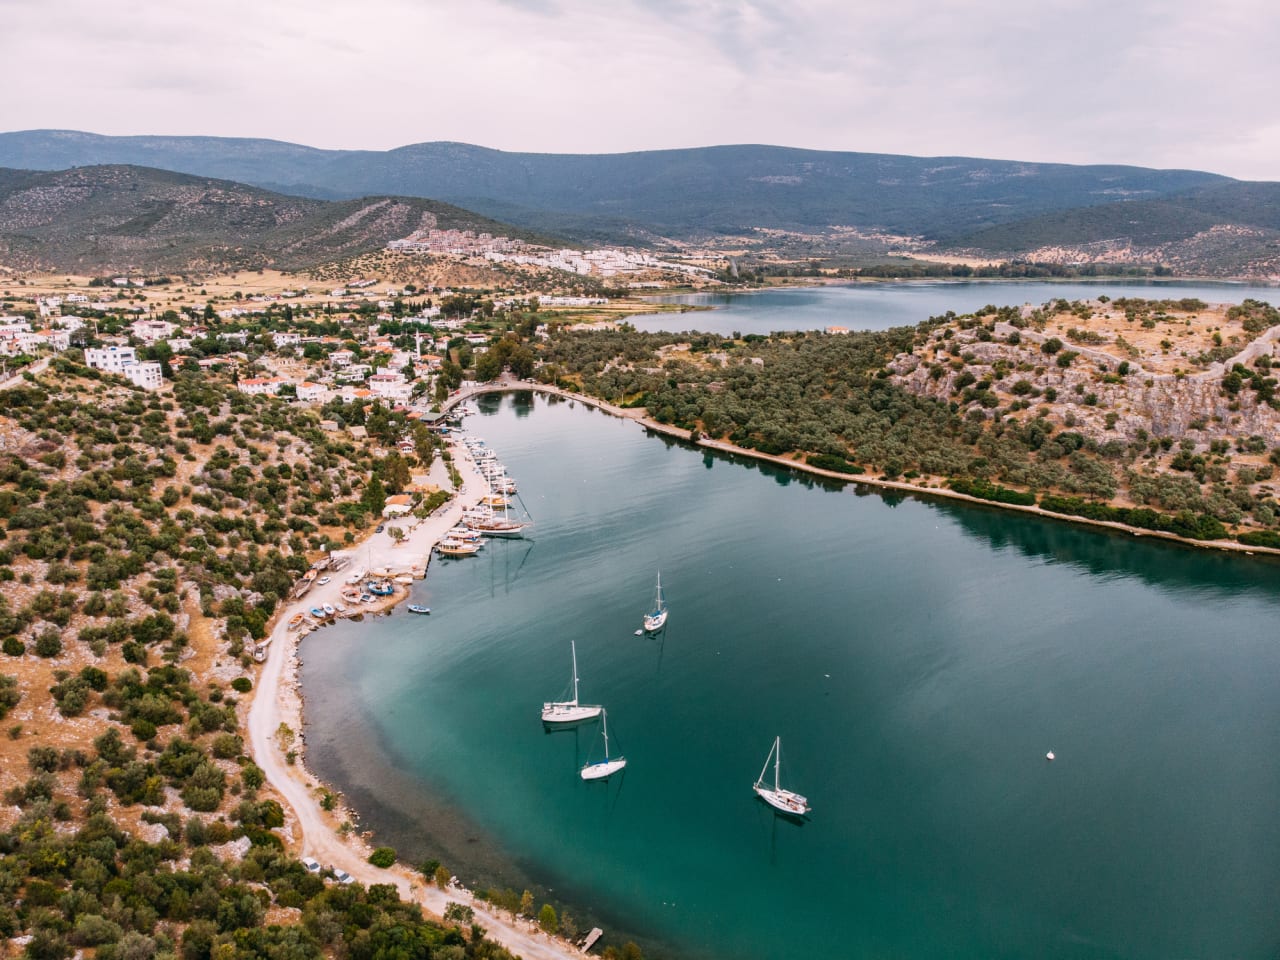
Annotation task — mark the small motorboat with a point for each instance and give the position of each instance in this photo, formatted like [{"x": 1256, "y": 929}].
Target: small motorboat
[
  {"x": 317, "y": 612},
  {"x": 328, "y": 609},
  {"x": 295, "y": 621},
  {"x": 418, "y": 608}
]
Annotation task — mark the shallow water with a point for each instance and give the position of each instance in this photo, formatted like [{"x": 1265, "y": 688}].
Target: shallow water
[{"x": 918, "y": 658}]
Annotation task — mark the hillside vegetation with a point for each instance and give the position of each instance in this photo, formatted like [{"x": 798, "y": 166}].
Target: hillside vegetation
[
  {"x": 123, "y": 218},
  {"x": 1159, "y": 414}
]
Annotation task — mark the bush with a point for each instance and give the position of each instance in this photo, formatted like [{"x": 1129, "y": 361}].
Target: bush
[
  {"x": 14, "y": 647},
  {"x": 241, "y": 684},
  {"x": 383, "y": 857},
  {"x": 49, "y": 643},
  {"x": 9, "y": 694},
  {"x": 985, "y": 490},
  {"x": 827, "y": 461}
]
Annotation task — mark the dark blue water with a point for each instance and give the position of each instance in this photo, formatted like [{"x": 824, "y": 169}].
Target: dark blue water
[
  {"x": 917, "y": 658},
  {"x": 880, "y": 305}
]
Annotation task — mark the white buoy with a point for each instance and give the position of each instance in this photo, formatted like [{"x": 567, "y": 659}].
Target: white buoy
[{"x": 1049, "y": 755}]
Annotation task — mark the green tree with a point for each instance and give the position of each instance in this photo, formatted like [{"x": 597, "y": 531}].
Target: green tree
[{"x": 547, "y": 919}]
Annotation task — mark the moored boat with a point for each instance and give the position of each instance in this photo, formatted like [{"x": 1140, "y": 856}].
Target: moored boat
[
  {"x": 782, "y": 800},
  {"x": 457, "y": 548},
  {"x": 656, "y": 618},
  {"x": 570, "y": 711},
  {"x": 603, "y": 769},
  {"x": 295, "y": 621},
  {"x": 418, "y": 608}
]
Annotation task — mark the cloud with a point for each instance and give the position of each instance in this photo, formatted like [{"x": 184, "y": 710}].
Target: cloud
[{"x": 1169, "y": 84}]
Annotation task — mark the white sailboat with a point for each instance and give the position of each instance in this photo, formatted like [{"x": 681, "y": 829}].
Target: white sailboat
[
  {"x": 570, "y": 711},
  {"x": 782, "y": 800},
  {"x": 656, "y": 618},
  {"x": 603, "y": 769}
]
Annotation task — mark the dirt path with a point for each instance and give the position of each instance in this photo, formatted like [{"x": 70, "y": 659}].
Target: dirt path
[{"x": 277, "y": 701}]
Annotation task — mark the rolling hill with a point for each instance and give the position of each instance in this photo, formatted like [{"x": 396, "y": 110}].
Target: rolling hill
[
  {"x": 120, "y": 218},
  {"x": 683, "y": 193}
]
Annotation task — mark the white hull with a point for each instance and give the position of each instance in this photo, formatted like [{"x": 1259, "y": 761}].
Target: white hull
[
  {"x": 655, "y": 623},
  {"x": 784, "y": 801},
  {"x": 604, "y": 769},
  {"x": 569, "y": 712}
]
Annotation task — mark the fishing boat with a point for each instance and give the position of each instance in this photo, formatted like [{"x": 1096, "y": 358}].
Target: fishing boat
[
  {"x": 418, "y": 608},
  {"x": 404, "y": 579},
  {"x": 457, "y": 548},
  {"x": 380, "y": 588},
  {"x": 328, "y": 609},
  {"x": 570, "y": 711},
  {"x": 317, "y": 612},
  {"x": 295, "y": 621},
  {"x": 357, "y": 576},
  {"x": 603, "y": 769},
  {"x": 782, "y": 800},
  {"x": 340, "y": 608},
  {"x": 656, "y": 618}
]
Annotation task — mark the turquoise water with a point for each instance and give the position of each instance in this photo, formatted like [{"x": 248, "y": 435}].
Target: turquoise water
[
  {"x": 918, "y": 658},
  {"x": 878, "y": 306}
]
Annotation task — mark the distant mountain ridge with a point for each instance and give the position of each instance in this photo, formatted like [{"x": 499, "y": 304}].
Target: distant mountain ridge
[
  {"x": 683, "y": 193},
  {"x": 120, "y": 218}
]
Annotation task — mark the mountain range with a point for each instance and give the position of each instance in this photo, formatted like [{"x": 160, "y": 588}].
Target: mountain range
[{"x": 1200, "y": 220}]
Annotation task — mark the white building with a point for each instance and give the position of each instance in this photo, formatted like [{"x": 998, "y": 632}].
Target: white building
[
  {"x": 312, "y": 391},
  {"x": 391, "y": 386},
  {"x": 124, "y": 362},
  {"x": 286, "y": 339},
  {"x": 149, "y": 331},
  {"x": 146, "y": 375},
  {"x": 111, "y": 359},
  {"x": 257, "y": 385}
]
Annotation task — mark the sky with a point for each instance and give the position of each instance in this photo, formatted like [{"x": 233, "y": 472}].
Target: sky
[{"x": 1159, "y": 83}]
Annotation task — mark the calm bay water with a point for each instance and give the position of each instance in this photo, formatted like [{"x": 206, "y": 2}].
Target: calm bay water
[
  {"x": 878, "y": 306},
  {"x": 918, "y": 659}
]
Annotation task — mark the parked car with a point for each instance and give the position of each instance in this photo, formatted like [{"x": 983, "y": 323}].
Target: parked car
[
  {"x": 323, "y": 580},
  {"x": 381, "y": 527},
  {"x": 312, "y": 865},
  {"x": 342, "y": 876}
]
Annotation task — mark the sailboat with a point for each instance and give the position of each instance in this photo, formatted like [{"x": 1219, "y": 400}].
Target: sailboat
[
  {"x": 656, "y": 619},
  {"x": 603, "y": 769},
  {"x": 782, "y": 800},
  {"x": 496, "y": 521},
  {"x": 570, "y": 711}
]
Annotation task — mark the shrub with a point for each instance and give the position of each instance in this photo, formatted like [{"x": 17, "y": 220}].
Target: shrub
[
  {"x": 14, "y": 647},
  {"x": 48, "y": 643},
  {"x": 242, "y": 684},
  {"x": 383, "y": 857}
]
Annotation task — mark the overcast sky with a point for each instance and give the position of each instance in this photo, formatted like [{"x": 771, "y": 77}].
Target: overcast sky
[{"x": 1161, "y": 83}]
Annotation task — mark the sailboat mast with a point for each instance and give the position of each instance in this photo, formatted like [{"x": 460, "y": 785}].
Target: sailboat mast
[
  {"x": 777, "y": 761},
  {"x": 574, "y": 650},
  {"x": 604, "y": 729}
]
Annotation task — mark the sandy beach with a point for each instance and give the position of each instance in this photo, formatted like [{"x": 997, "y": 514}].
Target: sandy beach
[{"x": 277, "y": 700}]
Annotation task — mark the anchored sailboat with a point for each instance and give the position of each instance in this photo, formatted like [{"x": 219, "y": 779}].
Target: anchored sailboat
[
  {"x": 782, "y": 800},
  {"x": 603, "y": 769},
  {"x": 656, "y": 618},
  {"x": 570, "y": 711}
]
